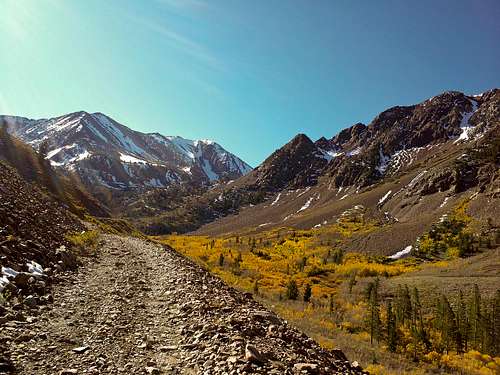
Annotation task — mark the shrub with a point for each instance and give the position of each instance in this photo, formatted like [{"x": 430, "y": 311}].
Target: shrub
[
  {"x": 292, "y": 291},
  {"x": 316, "y": 271},
  {"x": 85, "y": 242},
  {"x": 307, "y": 293}
]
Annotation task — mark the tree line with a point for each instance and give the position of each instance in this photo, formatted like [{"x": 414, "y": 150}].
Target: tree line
[{"x": 461, "y": 325}]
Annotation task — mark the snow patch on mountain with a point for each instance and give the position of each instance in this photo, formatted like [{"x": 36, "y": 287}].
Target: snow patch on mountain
[
  {"x": 303, "y": 192},
  {"x": 384, "y": 198},
  {"x": 306, "y": 205},
  {"x": 54, "y": 152},
  {"x": 126, "y": 142},
  {"x": 356, "y": 151},
  {"x": 444, "y": 202},
  {"x": 464, "y": 124},
  {"x": 402, "y": 253},
  {"x": 403, "y": 158},
  {"x": 383, "y": 162},
  {"x": 96, "y": 132},
  {"x": 415, "y": 179},
  {"x": 68, "y": 161},
  {"x": 131, "y": 159},
  {"x": 62, "y": 123},
  {"x": 276, "y": 200},
  {"x": 185, "y": 146},
  {"x": 207, "y": 168},
  {"x": 329, "y": 154}
]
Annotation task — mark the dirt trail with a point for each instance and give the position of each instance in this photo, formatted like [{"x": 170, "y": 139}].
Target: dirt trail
[{"x": 141, "y": 308}]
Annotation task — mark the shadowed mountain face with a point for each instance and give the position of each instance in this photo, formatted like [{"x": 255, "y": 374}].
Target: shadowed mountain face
[
  {"x": 295, "y": 164},
  {"x": 104, "y": 152}
]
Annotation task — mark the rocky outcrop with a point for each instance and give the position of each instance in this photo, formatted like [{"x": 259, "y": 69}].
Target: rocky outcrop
[
  {"x": 32, "y": 228},
  {"x": 297, "y": 164}
]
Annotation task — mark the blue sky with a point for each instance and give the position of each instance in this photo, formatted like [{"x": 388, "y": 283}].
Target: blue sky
[{"x": 248, "y": 74}]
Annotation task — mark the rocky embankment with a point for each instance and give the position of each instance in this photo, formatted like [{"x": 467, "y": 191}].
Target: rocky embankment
[
  {"x": 32, "y": 247},
  {"x": 141, "y": 308},
  {"x": 32, "y": 224}
]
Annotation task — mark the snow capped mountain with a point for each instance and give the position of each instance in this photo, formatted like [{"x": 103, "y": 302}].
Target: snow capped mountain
[{"x": 103, "y": 151}]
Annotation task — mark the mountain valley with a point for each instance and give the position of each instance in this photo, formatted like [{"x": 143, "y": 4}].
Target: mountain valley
[
  {"x": 202, "y": 187},
  {"x": 365, "y": 241}
]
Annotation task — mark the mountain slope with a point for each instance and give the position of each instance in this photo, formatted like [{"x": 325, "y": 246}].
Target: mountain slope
[
  {"x": 425, "y": 153},
  {"x": 33, "y": 168},
  {"x": 32, "y": 223},
  {"x": 103, "y": 152}
]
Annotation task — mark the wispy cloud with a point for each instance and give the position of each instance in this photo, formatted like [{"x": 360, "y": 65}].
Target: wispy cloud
[
  {"x": 19, "y": 19},
  {"x": 208, "y": 87},
  {"x": 185, "y": 4},
  {"x": 181, "y": 42}
]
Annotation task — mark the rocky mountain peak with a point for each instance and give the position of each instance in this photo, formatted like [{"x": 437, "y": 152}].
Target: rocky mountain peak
[
  {"x": 351, "y": 134},
  {"x": 293, "y": 164},
  {"x": 299, "y": 140}
]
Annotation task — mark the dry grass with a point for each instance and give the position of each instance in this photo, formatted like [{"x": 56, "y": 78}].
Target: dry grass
[
  {"x": 85, "y": 243},
  {"x": 449, "y": 277}
]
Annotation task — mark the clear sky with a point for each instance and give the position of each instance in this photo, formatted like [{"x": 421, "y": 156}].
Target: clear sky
[{"x": 249, "y": 74}]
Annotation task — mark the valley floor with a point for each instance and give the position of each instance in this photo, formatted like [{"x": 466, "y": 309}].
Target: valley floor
[{"x": 141, "y": 308}]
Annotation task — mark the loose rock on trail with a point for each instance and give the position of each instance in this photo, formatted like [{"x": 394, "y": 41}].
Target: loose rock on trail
[{"x": 141, "y": 308}]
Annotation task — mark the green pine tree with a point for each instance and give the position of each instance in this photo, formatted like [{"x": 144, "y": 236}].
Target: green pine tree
[
  {"x": 292, "y": 291},
  {"x": 418, "y": 320},
  {"x": 392, "y": 334},
  {"x": 475, "y": 319},
  {"x": 256, "y": 287},
  {"x": 447, "y": 324},
  {"x": 352, "y": 281},
  {"x": 307, "y": 293},
  {"x": 331, "y": 304},
  {"x": 302, "y": 264},
  {"x": 374, "y": 322},
  {"x": 463, "y": 326}
]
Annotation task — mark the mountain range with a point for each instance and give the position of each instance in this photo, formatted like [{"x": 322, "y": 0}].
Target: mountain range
[
  {"x": 408, "y": 155},
  {"x": 406, "y": 169},
  {"x": 407, "y": 166},
  {"x": 108, "y": 154}
]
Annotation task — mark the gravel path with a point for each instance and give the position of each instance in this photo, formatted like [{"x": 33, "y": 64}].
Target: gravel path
[{"x": 141, "y": 308}]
